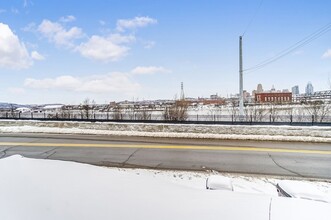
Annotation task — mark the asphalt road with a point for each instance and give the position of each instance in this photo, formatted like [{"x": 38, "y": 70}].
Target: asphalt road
[{"x": 309, "y": 160}]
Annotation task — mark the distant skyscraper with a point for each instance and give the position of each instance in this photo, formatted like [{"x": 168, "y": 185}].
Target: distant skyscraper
[
  {"x": 309, "y": 89},
  {"x": 295, "y": 90},
  {"x": 259, "y": 88}
]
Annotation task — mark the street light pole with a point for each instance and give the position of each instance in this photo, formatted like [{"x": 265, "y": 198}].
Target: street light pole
[{"x": 241, "y": 92}]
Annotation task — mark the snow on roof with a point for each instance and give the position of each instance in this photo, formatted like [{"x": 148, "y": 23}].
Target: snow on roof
[
  {"x": 52, "y": 106},
  {"x": 22, "y": 108}
]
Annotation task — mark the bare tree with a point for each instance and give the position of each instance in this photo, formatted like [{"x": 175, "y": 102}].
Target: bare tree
[
  {"x": 177, "y": 111},
  {"x": 299, "y": 113},
  {"x": 255, "y": 113},
  {"x": 234, "y": 109},
  {"x": 108, "y": 108},
  {"x": 144, "y": 114},
  {"x": 251, "y": 113},
  {"x": 273, "y": 112},
  {"x": 214, "y": 114},
  {"x": 289, "y": 111},
  {"x": 12, "y": 111},
  {"x": 117, "y": 113},
  {"x": 261, "y": 112},
  {"x": 131, "y": 113},
  {"x": 87, "y": 108},
  {"x": 318, "y": 110},
  {"x": 64, "y": 112}
]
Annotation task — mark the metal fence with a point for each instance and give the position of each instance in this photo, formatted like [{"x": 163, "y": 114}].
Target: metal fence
[{"x": 191, "y": 118}]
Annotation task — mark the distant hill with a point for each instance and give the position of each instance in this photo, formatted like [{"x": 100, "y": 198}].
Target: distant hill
[{"x": 6, "y": 105}]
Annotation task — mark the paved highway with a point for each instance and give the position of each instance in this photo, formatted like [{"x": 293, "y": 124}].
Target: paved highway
[{"x": 272, "y": 158}]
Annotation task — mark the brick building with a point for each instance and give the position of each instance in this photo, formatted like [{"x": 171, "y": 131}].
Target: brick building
[{"x": 273, "y": 97}]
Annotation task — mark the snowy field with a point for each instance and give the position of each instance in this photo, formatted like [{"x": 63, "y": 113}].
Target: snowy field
[
  {"x": 46, "y": 189},
  {"x": 224, "y": 132}
]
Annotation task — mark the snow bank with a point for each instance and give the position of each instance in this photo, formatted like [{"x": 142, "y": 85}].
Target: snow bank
[
  {"x": 225, "y": 132},
  {"x": 303, "y": 190},
  {"x": 46, "y": 189},
  {"x": 217, "y": 182}
]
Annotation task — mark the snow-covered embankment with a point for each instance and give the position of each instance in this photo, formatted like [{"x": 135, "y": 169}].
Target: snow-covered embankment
[{"x": 225, "y": 132}]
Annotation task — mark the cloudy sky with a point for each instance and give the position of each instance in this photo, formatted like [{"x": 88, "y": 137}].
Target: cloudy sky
[{"x": 58, "y": 51}]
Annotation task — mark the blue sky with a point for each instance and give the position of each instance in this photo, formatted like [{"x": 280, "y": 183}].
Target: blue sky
[{"x": 65, "y": 51}]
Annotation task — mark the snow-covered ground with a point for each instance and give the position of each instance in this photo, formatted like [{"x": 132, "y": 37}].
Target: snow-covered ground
[
  {"x": 257, "y": 113},
  {"x": 225, "y": 132},
  {"x": 46, "y": 189}
]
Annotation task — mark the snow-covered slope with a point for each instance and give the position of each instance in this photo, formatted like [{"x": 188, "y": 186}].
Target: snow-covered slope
[{"x": 46, "y": 189}]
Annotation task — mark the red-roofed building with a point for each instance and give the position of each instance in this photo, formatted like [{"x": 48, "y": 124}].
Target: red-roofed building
[{"x": 273, "y": 97}]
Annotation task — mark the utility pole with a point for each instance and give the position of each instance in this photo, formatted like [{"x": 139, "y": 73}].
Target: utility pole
[{"x": 241, "y": 92}]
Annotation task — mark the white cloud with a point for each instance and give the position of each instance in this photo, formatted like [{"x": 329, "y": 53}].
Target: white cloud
[
  {"x": 327, "y": 54},
  {"x": 13, "y": 53},
  {"x": 62, "y": 82},
  {"x": 30, "y": 27},
  {"x": 121, "y": 39},
  {"x": 140, "y": 70},
  {"x": 134, "y": 23},
  {"x": 37, "y": 56},
  {"x": 15, "y": 11},
  {"x": 113, "y": 82},
  {"x": 67, "y": 19},
  {"x": 27, "y": 3},
  {"x": 102, "y": 22},
  {"x": 104, "y": 48},
  {"x": 56, "y": 33},
  {"x": 149, "y": 44}
]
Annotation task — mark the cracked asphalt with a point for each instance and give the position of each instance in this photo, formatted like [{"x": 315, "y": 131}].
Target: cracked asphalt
[{"x": 309, "y": 160}]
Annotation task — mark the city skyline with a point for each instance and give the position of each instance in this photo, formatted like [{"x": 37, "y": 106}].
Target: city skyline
[{"x": 116, "y": 50}]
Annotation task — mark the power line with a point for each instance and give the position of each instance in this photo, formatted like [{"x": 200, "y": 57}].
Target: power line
[
  {"x": 318, "y": 33},
  {"x": 253, "y": 17},
  {"x": 295, "y": 46}
]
